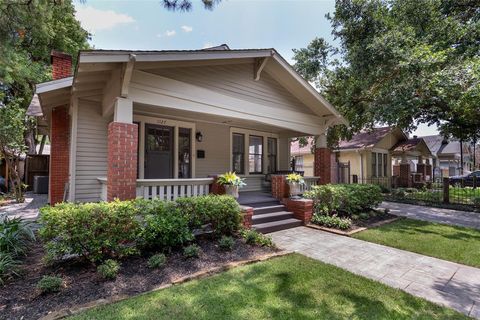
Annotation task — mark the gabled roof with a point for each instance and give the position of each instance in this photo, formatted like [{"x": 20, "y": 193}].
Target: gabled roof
[
  {"x": 365, "y": 139},
  {"x": 434, "y": 143},
  {"x": 416, "y": 144}
]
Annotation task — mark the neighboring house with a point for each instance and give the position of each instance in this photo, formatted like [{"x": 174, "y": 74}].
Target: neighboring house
[
  {"x": 368, "y": 154},
  {"x": 160, "y": 123},
  {"x": 447, "y": 156},
  {"x": 303, "y": 156}
]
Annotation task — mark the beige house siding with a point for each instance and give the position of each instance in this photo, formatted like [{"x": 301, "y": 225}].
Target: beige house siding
[
  {"x": 236, "y": 80},
  {"x": 216, "y": 144},
  {"x": 91, "y": 151},
  {"x": 355, "y": 162}
]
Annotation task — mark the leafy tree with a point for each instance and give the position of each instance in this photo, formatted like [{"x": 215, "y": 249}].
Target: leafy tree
[
  {"x": 400, "y": 62},
  {"x": 29, "y": 30}
]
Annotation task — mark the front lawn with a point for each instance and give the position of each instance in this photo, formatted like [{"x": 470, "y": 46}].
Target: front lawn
[
  {"x": 446, "y": 242},
  {"x": 290, "y": 287}
]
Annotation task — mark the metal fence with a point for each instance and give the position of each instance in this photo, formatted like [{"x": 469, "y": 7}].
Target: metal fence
[{"x": 442, "y": 192}]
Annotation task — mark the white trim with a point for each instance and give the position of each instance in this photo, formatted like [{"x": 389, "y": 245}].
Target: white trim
[
  {"x": 156, "y": 56},
  {"x": 73, "y": 148},
  {"x": 164, "y": 121},
  {"x": 53, "y": 85}
]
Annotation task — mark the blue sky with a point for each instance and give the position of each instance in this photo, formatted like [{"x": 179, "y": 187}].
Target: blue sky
[{"x": 146, "y": 25}]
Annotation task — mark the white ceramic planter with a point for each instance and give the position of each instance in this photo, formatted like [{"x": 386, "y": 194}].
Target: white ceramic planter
[
  {"x": 231, "y": 190},
  {"x": 294, "y": 189}
]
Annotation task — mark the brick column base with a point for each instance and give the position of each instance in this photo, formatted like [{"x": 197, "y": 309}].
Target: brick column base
[
  {"x": 279, "y": 187},
  {"x": 215, "y": 187},
  {"x": 247, "y": 214},
  {"x": 302, "y": 209},
  {"x": 323, "y": 165},
  {"x": 122, "y": 161},
  {"x": 59, "y": 153},
  {"x": 404, "y": 179}
]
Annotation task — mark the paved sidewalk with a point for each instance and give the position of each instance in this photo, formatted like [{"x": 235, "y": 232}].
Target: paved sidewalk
[
  {"x": 27, "y": 210},
  {"x": 440, "y": 215},
  {"x": 443, "y": 282}
]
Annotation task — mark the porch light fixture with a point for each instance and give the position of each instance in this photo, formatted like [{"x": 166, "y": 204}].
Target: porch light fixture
[{"x": 199, "y": 136}]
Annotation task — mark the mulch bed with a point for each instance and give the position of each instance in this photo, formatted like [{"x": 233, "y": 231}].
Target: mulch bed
[{"x": 19, "y": 298}]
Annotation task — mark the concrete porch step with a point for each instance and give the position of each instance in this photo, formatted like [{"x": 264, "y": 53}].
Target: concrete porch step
[
  {"x": 277, "y": 225},
  {"x": 270, "y": 217},
  {"x": 263, "y": 204},
  {"x": 269, "y": 209}
]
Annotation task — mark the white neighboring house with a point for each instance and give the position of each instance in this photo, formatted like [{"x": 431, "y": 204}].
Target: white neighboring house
[{"x": 162, "y": 123}]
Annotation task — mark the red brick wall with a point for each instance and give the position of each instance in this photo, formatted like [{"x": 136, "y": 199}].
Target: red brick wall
[
  {"x": 59, "y": 153},
  {"x": 122, "y": 161},
  {"x": 247, "y": 213},
  {"x": 61, "y": 65},
  {"x": 324, "y": 166},
  {"x": 215, "y": 187},
  {"x": 302, "y": 209},
  {"x": 405, "y": 175},
  {"x": 279, "y": 187}
]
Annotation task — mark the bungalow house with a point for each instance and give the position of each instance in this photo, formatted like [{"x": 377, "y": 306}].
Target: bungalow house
[
  {"x": 368, "y": 157},
  {"x": 447, "y": 156},
  {"x": 163, "y": 123}
]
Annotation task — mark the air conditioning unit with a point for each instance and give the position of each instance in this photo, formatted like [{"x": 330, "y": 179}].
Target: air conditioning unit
[{"x": 40, "y": 184}]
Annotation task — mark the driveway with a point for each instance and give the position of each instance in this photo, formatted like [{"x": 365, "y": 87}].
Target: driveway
[
  {"x": 439, "y": 215},
  {"x": 442, "y": 282}
]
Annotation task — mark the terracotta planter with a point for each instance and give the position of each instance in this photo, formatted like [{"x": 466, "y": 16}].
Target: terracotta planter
[
  {"x": 295, "y": 189},
  {"x": 231, "y": 190}
]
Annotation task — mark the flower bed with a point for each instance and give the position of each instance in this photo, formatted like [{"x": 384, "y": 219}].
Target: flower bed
[{"x": 96, "y": 250}]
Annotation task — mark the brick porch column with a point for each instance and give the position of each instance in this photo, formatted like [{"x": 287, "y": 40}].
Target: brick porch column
[
  {"x": 302, "y": 209},
  {"x": 59, "y": 153},
  {"x": 324, "y": 161},
  {"x": 279, "y": 187},
  {"x": 122, "y": 153},
  {"x": 405, "y": 175}
]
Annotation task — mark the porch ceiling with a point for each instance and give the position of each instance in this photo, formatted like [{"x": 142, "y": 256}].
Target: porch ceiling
[{"x": 175, "y": 114}]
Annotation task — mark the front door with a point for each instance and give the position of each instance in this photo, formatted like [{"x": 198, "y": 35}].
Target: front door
[{"x": 158, "y": 152}]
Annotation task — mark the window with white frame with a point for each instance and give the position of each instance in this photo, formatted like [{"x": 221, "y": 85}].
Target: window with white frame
[
  {"x": 272, "y": 155},
  {"x": 238, "y": 153},
  {"x": 255, "y": 154},
  {"x": 374, "y": 164},
  {"x": 299, "y": 163}
]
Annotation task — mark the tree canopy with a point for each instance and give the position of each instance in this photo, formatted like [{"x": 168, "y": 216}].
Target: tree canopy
[{"x": 401, "y": 62}]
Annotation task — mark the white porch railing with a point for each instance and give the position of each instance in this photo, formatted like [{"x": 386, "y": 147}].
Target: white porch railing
[
  {"x": 171, "y": 189},
  {"x": 309, "y": 183}
]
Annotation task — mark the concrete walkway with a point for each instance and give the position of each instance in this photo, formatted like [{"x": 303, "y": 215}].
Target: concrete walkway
[
  {"x": 440, "y": 215},
  {"x": 27, "y": 210},
  {"x": 442, "y": 282}
]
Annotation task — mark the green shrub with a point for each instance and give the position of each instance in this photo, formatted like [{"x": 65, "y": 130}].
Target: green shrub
[
  {"x": 364, "y": 216},
  {"x": 95, "y": 231},
  {"x": 476, "y": 201},
  {"x": 226, "y": 243},
  {"x": 399, "y": 193},
  {"x": 254, "y": 238},
  {"x": 164, "y": 226},
  {"x": 50, "y": 284},
  {"x": 9, "y": 267},
  {"x": 157, "y": 261},
  {"x": 333, "y": 221},
  {"x": 347, "y": 199},
  {"x": 109, "y": 269},
  {"x": 15, "y": 235},
  {"x": 191, "y": 251},
  {"x": 220, "y": 212}
]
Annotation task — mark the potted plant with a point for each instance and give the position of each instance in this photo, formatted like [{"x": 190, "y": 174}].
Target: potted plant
[
  {"x": 231, "y": 183},
  {"x": 295, "y": 181}
]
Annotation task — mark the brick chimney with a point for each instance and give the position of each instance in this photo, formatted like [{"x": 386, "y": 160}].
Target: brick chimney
[{"x": 61, "y": 65}]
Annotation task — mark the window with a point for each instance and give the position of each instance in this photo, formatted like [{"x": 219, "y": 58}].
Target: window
[
  {"x": 255, "y": 154},
  {"x": 299, "y": 163},
  {"x": 184, "y": 156},
  {"x": 272, "y": 155},
  {"x": 385, "y": 165},
  {"x": 374, "y": 164},
  {"x": 380, "y": 165},
  {"x": 238, "y": 153}
]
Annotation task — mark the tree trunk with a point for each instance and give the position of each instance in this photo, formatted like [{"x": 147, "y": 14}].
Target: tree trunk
[{"x": 14, "y": 177}]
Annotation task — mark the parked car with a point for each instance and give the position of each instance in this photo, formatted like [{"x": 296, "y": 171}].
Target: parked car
[{"x": 466, "y": 180}]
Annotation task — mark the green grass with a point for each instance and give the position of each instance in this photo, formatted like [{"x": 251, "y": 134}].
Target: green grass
[
  {"x": 442, "y": 241},
  {"x": 290, "y": 287}
]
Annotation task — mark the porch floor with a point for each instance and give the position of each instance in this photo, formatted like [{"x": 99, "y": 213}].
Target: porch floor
[{"x": 251, "y": 198}]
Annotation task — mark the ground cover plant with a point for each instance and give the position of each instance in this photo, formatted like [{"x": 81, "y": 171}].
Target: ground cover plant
[
  {"x": 15, "y": 239},
  {"x": 467, "y": 196},
  {"x": 289, "y": 287},
  {"x": 457, "y": 244},
  {"x": 339, "y": 206}
]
